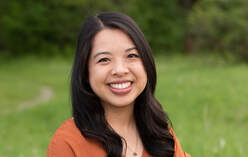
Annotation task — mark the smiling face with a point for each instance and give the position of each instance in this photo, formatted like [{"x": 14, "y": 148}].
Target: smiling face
[{"x": 116, "y": 72}]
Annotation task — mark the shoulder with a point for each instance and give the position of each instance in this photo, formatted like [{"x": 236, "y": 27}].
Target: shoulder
[
  {"x": 68, "y": 141},
  {"x": 63, "y": 139},
  {"x": 68, "y": 129},
  {"x": 68, "y": 132},
  {"x": 178, "y": 149}
]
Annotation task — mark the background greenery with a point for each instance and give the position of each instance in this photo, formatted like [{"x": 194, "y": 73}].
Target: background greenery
[
  {"x": 180, "y": 26},
  {"x": 201, "y": 50},
  {"x": 206, "y": 100}
]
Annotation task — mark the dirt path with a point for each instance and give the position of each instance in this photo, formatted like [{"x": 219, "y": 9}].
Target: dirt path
[{"x": 46, "y": 93}]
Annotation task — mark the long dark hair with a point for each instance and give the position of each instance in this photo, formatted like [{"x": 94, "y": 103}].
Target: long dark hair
[{"x": 151, "y": 120}]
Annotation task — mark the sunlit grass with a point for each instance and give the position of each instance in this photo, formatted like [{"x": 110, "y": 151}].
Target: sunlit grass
[
  {"x": 206, "y": 101},
  {"x": 207, "y": 104}
]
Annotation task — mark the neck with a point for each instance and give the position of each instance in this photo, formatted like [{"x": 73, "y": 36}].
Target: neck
[{"x": 121, "y": 119}]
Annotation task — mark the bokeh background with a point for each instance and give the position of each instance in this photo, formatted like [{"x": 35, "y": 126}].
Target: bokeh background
[{"x": 201, "y": 53}]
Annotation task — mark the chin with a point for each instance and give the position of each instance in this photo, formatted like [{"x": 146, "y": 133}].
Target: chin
[
  {"x": 119, "y": 103},
  {"x": 123, "y": 104}
]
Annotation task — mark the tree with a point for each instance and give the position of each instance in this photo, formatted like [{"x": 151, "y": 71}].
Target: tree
[{"x": 220, "y": 26}]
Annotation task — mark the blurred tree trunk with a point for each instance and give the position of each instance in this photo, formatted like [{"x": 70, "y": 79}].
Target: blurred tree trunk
[{"x": 187, "y": 5}]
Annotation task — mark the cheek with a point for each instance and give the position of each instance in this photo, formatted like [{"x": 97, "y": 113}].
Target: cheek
[
  {"x": 97, "y": 76},
  {"x": 93, "y": 77},
  {"x": 139, "y": 71}
]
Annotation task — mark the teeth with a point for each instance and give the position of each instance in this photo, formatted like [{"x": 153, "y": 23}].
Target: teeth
[{"x": 121, "y": 85}]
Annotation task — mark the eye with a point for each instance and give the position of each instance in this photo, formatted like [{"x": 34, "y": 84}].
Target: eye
[
  {"x": 133, "y": 55},
  {"x": 103, "y": 60}
]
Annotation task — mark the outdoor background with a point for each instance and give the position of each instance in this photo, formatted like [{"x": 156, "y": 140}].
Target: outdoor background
[{"x": 201, "y": 53}]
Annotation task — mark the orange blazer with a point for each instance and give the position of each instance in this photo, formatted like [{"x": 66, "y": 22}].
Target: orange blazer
[{"x": 69, "y": 142}]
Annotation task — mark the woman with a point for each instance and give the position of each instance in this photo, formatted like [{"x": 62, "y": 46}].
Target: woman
[{"x": 115, "y": 112}]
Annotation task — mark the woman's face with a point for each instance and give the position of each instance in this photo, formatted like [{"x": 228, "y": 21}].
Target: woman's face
[{"x": 116, "y": 72}]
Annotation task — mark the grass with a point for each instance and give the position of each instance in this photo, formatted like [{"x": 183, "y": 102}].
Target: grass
[{"x": 206, "y": 100}]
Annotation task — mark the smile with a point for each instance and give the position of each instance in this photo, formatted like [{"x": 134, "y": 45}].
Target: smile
[
  {"x": 121, "y": 88},
  {"x": 120, "y": 85}
]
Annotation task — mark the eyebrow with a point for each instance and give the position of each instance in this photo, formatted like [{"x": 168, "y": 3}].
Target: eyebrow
[
  {"x": 106, "y": 52},
  {"x": 100, "y": 53},
  {"x": 130, "y": 49}
]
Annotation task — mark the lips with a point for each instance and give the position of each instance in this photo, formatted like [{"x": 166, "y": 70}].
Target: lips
[{"x": 120, "y": 88}]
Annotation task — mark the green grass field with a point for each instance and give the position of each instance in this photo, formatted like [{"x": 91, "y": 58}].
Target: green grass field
[{"x": 207, "y": 101}]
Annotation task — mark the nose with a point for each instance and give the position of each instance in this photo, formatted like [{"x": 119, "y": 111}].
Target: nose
[{"x": 120, "y": 68}]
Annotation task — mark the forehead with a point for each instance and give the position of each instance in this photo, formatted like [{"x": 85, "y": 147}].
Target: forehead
[{"x": 111, "y": 39}]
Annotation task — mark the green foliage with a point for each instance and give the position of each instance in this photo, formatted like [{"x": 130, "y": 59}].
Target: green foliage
[
  {"x": 221, "y": 25},
  {"x": 51, "y": 27},
  {"x": 45, "y": 27},
  {"x": 162, "y": 22}
]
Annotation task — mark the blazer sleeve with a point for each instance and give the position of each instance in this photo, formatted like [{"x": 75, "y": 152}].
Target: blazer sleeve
[
  {"x": 178, "y": 149},
  {"x": 58, "y": 147}
]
